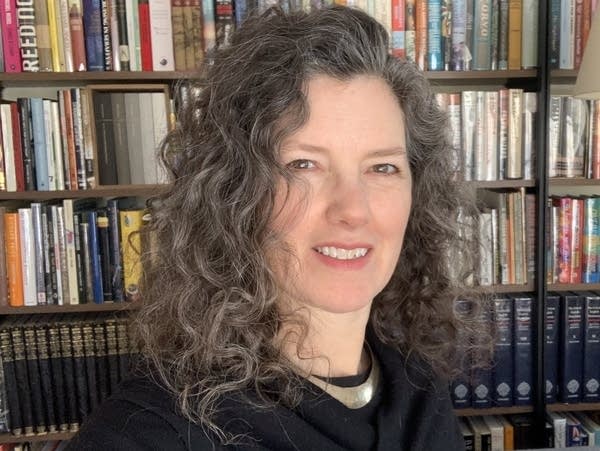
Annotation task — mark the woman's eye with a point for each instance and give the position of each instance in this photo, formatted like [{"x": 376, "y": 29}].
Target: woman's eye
[
  {"x": 301, "y": 164},
  {"x": 386, "y": 168}
]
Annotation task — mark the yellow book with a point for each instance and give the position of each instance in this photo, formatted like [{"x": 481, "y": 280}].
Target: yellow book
[
  {"x": 53, "y": 35},
  {"x": 131, "y": 223}
]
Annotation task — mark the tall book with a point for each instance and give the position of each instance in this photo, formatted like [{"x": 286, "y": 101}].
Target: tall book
[
  {"x": 551, "y": 346},
  {"x": 591, "y": 347},
  {"x": 503, "y": 351},
  {"x": 10, "y": 36},
  {"x": 162, "y": 35},
  {"x": 131, "y": 225},
  {"x": 571, "y": 348},
  {"x": 523, "y": 355},
  {"x": 514, "y": 34}
]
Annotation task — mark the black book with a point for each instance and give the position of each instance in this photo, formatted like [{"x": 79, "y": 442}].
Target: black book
[
  {"x": 591, "y": 347},
  {"x": 502, "y": 372},
  {"x": 22, "y": 377},
  {"x": 55, "y": 357},
  {"x": 551, "y": 345},
  {"x": 105, "y": 141},
  {"x": 46, "y": 381},
  {"x": 52, "y": 248},
  {"x": 123, "y": 347},
  {"x": 79, "y": 368},
  {"x": 523, "y": 355},
  {"x": 50, "y": 299},
  {"x": 81, "y": 282},
  {"x": 87, "y": 329},
  {"x": 10, "y": 379},
  {"x": 571, "y": 348},
  {"x": 33, "y": 371},
  {"x": 66, "y": 350},
  {"x": 110, "y": 325},
  {"x": 104, "y": 247},
  {"x": 523, "y": 431},
  {"x": 116, "y": 263},
  {"x": 27, "y": 144},
  {"x": 101, "y": 358}
]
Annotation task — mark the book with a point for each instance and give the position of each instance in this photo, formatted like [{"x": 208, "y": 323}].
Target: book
[
  {"x": 523, "y": 344},
  {"x": 131, "y": 224},
  {"x": 503, "y": 351},
  {"x": 591, "y": 347},
  {"x": 552, "y": 317},
  {"x": 162, "y": 35},
  {"x": 571, "y": 348}
]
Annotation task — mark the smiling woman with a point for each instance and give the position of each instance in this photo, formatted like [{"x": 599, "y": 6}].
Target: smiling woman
[{"x": 300, "y": 297}]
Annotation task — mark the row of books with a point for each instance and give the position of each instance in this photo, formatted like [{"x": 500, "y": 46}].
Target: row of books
[
  {"x": 574, "y": 137},
  {"x": 70, "y": 252},
  {"x": 58, "y": 368},
  {"x": 85, "y": 137},
  {"x": 493, "y": 133},
  {"x": 506, "y": 236},
  {"x": 49, "y": 445},
  {"x": 569, "y": 28},
  {"x": 507, "y": 432},
  {"x": 508, "y": 379},
  {"x": 573, "y": 238}
]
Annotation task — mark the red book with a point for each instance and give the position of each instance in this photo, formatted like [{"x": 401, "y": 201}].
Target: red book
[
  {"x": 18, "y": 149},
  {"x": 10, "y": 36},
  {"x": 421, "y": 34},
  {"x": 77, "y": 38},
  {"x": 578, "y": 46},
  {"x": 145, "y": 35},
  {"x": 576, "y": 240},
  {"x": 595, "y": 139},
  {"x": 565, "y": 205},
  {"x": 398, "y": 40}
]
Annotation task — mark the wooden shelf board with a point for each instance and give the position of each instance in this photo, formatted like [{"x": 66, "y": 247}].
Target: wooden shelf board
[
  {"x": 480, "y": 74},
  {"x": 102, "y": 191},
  {"x": 573, "y": 182},
  {"x": 501, "y": 184},
  {"x": 10, "y": 438},
  {"x": 578, "y": 407},
  {"x": 563, "y": 76},
  {"x": 573, "y": 286},
  {"x": 88, "y": 307},
  {"x": 82, "y": 78},
  {"x": 493, "y": 411},
  {"x": 529, "y": 287}
]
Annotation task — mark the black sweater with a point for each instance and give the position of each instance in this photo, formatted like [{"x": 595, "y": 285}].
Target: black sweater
[{"x": 409, "y": 412}]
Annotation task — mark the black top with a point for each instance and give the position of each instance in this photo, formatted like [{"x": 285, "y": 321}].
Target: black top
[{"x": 410, "y": 411}]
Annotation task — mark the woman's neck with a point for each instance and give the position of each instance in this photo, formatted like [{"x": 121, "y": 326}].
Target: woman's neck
[{"x": 333, "y": 346}]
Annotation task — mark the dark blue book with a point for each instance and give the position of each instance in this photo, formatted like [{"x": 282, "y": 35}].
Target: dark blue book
[
  {"x": 92, "y": 28},
  {"x": 460, "y": 387},
  {"x": 571, "y": 365},
  {"x": 523, "y": 355},
  {"x": 502, "y": 372},
  {"x": 591, "y": 347},
  {"x": 482, "y": 383},
  {"x": 94, "y": 252},
  {"x": 551, "y": 346},
  {"x": 116, "y": 263}
]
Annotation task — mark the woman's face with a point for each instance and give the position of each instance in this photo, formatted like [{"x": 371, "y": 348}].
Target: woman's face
[{"x": 345, "y": 214}]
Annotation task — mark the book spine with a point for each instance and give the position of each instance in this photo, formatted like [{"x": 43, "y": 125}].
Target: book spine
[
  {"x": 62, "y": 248},
  {"x": 482, "y": 22},
  {"x": 133, "y": 34},
  {"x": 90, "y": 364},
  {"x": 104, "y": 247},
  {"x": 468, "y": 102},
  {"x": 92, "y": 28},
  {"x": 66, "y": 350},
  {"x": 503, "y": 135},
  {"x": 48, "y": 272},
  {"x": 57, "y": 277},
  {"x": 481, "y": 376},
  {"x": 78, "y": 40},
  {"x": 523, "y": 339},
  {"x": 209, "y": 30},
  {"x": 591, "y": 347},
  {"x": 410, "y": 33},
  {"x": 10, "y": 36},
  {"x": 567, "y": 35},
  {"x": 71, "y": 258},
  {"x": 576, "y": 240},
  {"x": 162, "y": 34},
  {"x": 27, "y": 257},
  {"x": 123, "y": 347},
  {"x": 529, "y": 134},
  {"x": 112, "y": 354},
  {"x": 10, "y": 176},
  {"x": 116, "y": 266},
  {"x": 179, "y": 35},
  {"x": 107, "y": 48},
  {"x": 87, "y": 145},
  {"x": 102, "y": 377},
  {"x": 22, "y": 379},
  {"x": 131, "y": 223},
  {"x": 86, "y": 259},
  {"x": 145, "y": 35},
  {"x": 47, "y": 120},
  {"x": 554, "y": 135},
  {"x": 56, "y": 140},
  {"x": 79, "y": 368},
  {"x": 3, "y": 267},
  {"x": 56, "y": 365},
  {"x": 565, "y": 205},
  {"x": 490, "y": 167},
  {"x": 494, "y": 37},
  {"x": 514, "y": 34},
  {"x": 94, "y": 252},
  {"x": 27, "y": 145},
  {"x": 435, "y": 56},
  {"x": 514, "y": 167},
  {"x": 27, "y": 36},
  {"x": 33, "y": 373},
  {"x": 10, "y": 380},
  {"x": 529, "y": 36},
  {"x": 469, "y": 35},
  {"x": 551, "y": 346},
  {"x": 39, "y": 143},
  {"x": 554, "y": 34},
  {"x": 123, "y": 50},
  {"x": 75, "y": 96},
  {"x": 503, "y": 35},
  {"x": 46, "y": 382},
  {"x": 36, "y": 214},
  {"x": 578, "y": 33},
  {"x": 64, "y": 38},
  {"x": 44, "y": 33},
  {"x": 571, "y": 348},
  {"x": 595, "y": 139},
  {"x": 459, "y": 18},
  {"x": 398, "y": 28},
  {"x": 503, "y": 352},
  {"x": 196, "y": 35},
  {"x": 421, "y": 33},
  {"x": 79, "y": 260},
  {"x": 479, "y": 139}
]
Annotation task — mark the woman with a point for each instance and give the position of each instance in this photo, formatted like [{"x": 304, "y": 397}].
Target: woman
[{"x": 299, "y": 297}]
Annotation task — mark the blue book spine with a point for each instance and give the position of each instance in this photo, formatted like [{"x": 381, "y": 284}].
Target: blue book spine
[
  {"x": 503, "y": 352},
  {"x": 459, "y": 34},
  {"x": 482, "y": 384},
  {"x": 39, "y": 143},
  {"x": 241, "y": 11},
  {"x": 482, "y": 35},
  {"x": 591, "y": 224},
  {"x": 116, "y": 264},
  {"x": 92, "y": 27},
  {"x": 523, "y": 355},
  {"x": 591, "y": 348},
  {"x": 435, "y": 56},
  {"x": 571, "y": 348},
  {"x": 93, "y": 242},
  {"x": 551, "y": 346},
  {"x": 554, "y": 34},
  {"x": 460, "y": 387}
]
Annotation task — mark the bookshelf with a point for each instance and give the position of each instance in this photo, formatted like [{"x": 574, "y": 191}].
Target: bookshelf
[{"x": 537, "y": 80}]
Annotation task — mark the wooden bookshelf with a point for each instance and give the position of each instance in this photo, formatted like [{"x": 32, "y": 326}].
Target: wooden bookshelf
[
  {"x": 10, "y": 438},
  {"x": 494, "y": 411},
  {"x": 75, "y": 308},
  {"x": 500, "y": 184},
  {"x": 102, "y": 191},
  {"x": 573, "y": 182},
  {"x": 525, "y": 288},
  {"x": 563, "y": 76},
  {"x": 573, "y": 286},
  {"x": 579, "y": 407}
]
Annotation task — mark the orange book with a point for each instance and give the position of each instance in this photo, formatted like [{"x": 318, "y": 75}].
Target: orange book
[
  {"x": 515, "y": 8},
  {"x": 421, "y": 34},
  {"x": 69, "y": 138},
  {"x": 14, "y": 268}
]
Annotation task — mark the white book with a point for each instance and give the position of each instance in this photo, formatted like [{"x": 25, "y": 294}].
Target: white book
[
  {"x": 468, "y": 102},
  {"x": 64, "y": 33},
  {"x": 514, "y": 167},
  {"x": 148, "y": 155},
  {"x": 491, "y": 136},
  {"x": 58, "y": 148},
  {"x": 567, "y": 35},
  {"x": 57, "y": 262},
  {"x": 10, "y": 172},
  {"x": 529, "y": 33},
  {"x": 38, "y": 242},
  {"x": 60, "y": 225},
  {"x": 161, "y": 28},
  {"x": 559, "y": 422},
  {"x": 486, "y": 255},
  {"x": 133, "y": 35},
  {"x": 87, "y": 141},
  {"x": 497, "y": 431},
  {"x": 27, "y": 257},
  {"x": 71, "y": 258},
  {"x": 114, "y": 35},
  {"x": 160, "y": 119},
  {"x": 529, "y": 130},
  {"x": 47, "y": 107},
  {"x": 479, "y": 138}
]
